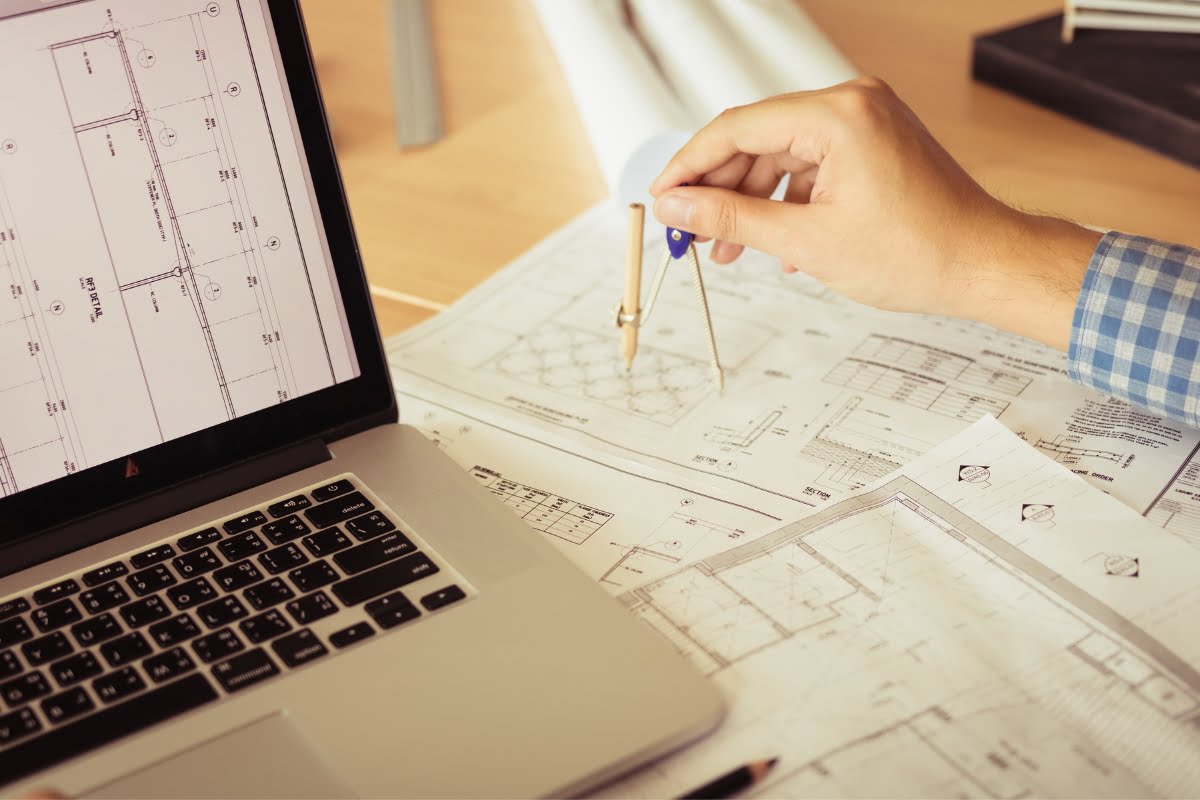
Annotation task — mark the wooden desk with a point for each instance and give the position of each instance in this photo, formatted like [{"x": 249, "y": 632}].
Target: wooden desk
[{"x": 515, "y": 163}]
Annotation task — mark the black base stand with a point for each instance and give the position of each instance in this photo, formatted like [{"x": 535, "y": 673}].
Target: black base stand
[{"x": 1141, "y": 86}]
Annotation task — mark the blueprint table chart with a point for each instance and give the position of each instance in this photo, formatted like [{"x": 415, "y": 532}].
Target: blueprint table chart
[{"x": 544, "y": 511}]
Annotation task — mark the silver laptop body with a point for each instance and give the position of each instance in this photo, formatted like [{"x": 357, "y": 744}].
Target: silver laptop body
[{"x": 263, "y": 586}]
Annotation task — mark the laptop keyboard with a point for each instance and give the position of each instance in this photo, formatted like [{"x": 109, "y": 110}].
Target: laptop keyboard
[{"x": 108, "y": 652}]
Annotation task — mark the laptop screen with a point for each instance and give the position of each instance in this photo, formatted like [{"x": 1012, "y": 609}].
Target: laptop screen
[
  {"x": 163, "y": 264},
  {"x": 183, "y": 308}
]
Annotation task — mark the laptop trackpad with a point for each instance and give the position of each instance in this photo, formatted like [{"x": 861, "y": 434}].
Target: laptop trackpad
[{"x": 267, "y": 758}]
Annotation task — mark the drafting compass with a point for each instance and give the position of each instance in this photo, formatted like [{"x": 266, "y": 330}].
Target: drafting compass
[{"x": 630, "y": 317}]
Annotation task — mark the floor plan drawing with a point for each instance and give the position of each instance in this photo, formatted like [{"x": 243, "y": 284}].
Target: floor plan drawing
[
  {"x": 581, "y": 363},
  {"x": 913, "y": 631},
  {"x": 678, "y": 539},
  {"x": 163, "y": 145},
  {"x": 160, "y": 244},
  {"x": 534, "y": 349},
  {"x": 39, "y": 441}
]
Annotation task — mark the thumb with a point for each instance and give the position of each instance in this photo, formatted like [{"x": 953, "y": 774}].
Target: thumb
[{"x": 726, "y": 215}]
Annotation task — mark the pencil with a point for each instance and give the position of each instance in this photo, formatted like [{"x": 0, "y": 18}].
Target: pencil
[
  {"x": 633, "y": 282},
  {"x": 733, "y": 782}
]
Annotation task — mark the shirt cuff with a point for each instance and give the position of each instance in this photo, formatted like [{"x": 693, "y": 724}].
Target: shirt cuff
[{"x": 1136, "y": 330}]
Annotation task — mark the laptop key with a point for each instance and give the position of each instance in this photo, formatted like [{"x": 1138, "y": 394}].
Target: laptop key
[
  {"x": 130, "y": 647},
  {"x": 311, "y": 608},
  {"x": 237, "y": 576},
  {"x": 348, "y": 636},
  {"x": 55, "y": 591},
  {"x": 102, "y": 598},
  {"x": 391, "y": 575},
  {"x": 14, "y": 631},
  {"x": 313, "y": 576},
  {"x": 327, "y": 542},
  {"x": 117, "y": 685},
  {"x": 242, "y": 546},
  {"x": 264, "y": 626},
  {"x": 217, "y": 645},
  {"x": 289, "y": 506},
  {"x": 173, "y": 631},
  {"x": 245, "y": 670},
  {"x": 339, "y": 510},
  {"x": 370, "y": 525},
  {"x": 221, "y": 612},
  {"x": 332, "y": 490},
  {"x": 55, "y": 615},
  {"x": 143, "y": 612},
  {"x": 108, "y": 725},
  {"x": 190, "y": 565},
  {"x": 20, "y": 691},
  {"x": 46, "y": 648},
  {"x": 299, "y": 647},
  {"x": 392, "y": 610},
  {"x": 442, "y": 597},
  {"x": 152, "y": 556},
  {"x": 282, "y": 558},
  {"x": 76, "y": 668},
  {"x": 192, "y": 593},
  {"x": 10, "y": 608},
  {"x": 285, "y": 530},
  {"x": 168, "y": 665},
  {"x": 96, "y": 630},
  {"x": 244, "y": 522},
  {"x": 71, "y": 703},
  {"x": 17, "y": 725},
  {"x": 375, "y": 552},
  {"x": 105, "y": 574},
  {"x": 194, "y": 541},
  {"x": 148, "y": 581},
  {"x": 267, "y": 594},
  {"x": 9, "y": 663}
]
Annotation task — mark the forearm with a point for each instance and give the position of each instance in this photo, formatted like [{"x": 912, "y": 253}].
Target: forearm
[{"x": 1024, "y": 275}]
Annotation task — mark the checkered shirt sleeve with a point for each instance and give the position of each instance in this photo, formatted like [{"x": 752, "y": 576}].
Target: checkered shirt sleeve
[{"x": 1136, "y": 331}]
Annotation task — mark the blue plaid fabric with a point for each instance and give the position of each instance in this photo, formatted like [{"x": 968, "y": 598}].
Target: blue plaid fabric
[{"x": 1136, "y": 332}]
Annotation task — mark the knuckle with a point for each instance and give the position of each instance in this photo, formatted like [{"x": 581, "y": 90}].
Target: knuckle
[{"x": 725, "y": 222}]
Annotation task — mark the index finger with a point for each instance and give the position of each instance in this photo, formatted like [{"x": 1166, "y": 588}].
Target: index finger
[{"x": 800, "y": 124}]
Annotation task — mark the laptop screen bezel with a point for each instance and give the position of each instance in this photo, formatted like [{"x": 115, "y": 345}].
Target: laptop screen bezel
[{"x": 331, "y": 413}]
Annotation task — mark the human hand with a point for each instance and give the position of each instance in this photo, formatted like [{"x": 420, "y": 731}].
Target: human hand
[{"x": 875, "y": 209}]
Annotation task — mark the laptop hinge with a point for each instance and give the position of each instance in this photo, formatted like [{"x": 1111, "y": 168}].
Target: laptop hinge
[{"x": 148, "y": 509}]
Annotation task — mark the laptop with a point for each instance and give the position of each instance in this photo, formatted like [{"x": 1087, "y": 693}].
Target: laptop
[{"x": 225, "y": 568}]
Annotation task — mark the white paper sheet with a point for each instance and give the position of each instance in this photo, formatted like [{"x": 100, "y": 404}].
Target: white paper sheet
[
  {"x": 978, "y": 621},
  {"x": 822, "y": 395},
  {"x": 981, "y": 623},
  {"x": 788, "y": 49},
  {"x": 633, "y": 120}
]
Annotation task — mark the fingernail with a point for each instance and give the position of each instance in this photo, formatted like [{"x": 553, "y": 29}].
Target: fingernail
[{"x": 673, "y": 210}]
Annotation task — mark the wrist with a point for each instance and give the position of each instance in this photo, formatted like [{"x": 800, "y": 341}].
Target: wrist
[{"x": 1025, "y": 274}]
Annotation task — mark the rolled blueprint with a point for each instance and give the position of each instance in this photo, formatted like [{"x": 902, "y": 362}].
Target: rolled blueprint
[
  {"x": 709, "y": 69},
  {"x": 789, "y": 50},
  {"x": 634, "y": 121}
]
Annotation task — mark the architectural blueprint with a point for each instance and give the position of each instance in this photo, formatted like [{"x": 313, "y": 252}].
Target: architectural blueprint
[
  {"x": 620, "y": 526},
  {"x": 980, "y": 623},
  {"x": 161, "y": 269},
  {"x": 822, "y": 395}
]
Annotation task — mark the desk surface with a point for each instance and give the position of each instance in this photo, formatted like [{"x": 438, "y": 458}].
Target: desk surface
[{"x": 515, "y": 163}]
